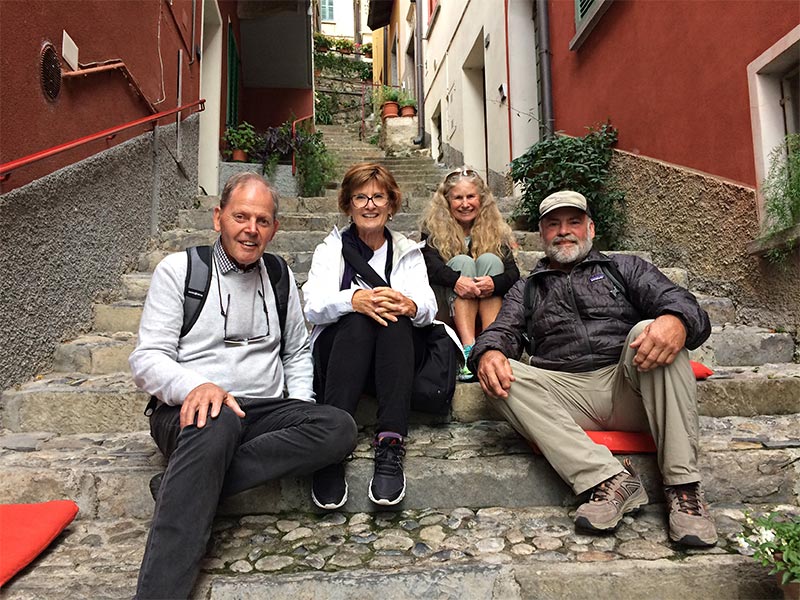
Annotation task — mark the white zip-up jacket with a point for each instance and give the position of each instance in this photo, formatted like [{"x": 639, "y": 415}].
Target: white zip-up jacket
[{"x": 325, "y": 303}]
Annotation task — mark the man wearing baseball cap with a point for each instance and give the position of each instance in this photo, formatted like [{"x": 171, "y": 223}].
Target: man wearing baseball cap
[{"x": 607, "y": 338}]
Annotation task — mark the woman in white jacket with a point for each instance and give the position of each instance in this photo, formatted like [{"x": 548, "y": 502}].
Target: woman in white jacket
[{"x": 367, "y": 294}]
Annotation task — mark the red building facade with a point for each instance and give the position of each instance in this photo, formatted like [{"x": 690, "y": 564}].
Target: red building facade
[{"x": 671, "y": 77}]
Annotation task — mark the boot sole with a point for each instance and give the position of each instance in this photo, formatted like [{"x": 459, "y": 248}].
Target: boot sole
[
  {"x": 635, "y": 504},
  {"x": 386, "y": 501},
  {"x": 331, "y": 505},
  {"x": 694, "y": 541}
]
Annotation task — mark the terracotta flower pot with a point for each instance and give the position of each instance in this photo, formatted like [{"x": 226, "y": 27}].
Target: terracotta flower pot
[
  {"x": 390, "y": 109},
  {"x": 407, "y": 111},
  {"x": 239, "y": 155}
]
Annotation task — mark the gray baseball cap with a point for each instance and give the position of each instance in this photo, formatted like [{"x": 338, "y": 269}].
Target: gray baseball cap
[{"x": 562, "y": 199}]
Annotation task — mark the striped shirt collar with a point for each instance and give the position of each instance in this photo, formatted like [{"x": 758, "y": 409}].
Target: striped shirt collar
[{"x": 224, "y": 262}]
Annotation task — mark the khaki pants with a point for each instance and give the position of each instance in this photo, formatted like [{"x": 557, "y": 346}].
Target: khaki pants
[{"x": 552, "y": 408}]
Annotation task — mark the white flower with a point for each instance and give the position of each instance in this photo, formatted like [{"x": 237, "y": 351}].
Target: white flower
[{"x": 764, "y": 535}]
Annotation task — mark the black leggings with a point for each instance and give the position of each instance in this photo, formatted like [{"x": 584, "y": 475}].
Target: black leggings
[{"x": 357, "y": 355}]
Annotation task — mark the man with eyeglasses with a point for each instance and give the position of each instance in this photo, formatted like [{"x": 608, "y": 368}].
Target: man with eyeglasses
[{"x": 236, "y": 403}]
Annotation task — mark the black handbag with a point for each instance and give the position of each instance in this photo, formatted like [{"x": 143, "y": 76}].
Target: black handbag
[{"x": 435, "y": 377}]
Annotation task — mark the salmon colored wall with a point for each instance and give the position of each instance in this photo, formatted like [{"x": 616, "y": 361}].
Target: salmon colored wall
[
  {"x": 670, "y": 74},
  {"x": 269, "y": 107},
  {"x": 30, "y": 123}
]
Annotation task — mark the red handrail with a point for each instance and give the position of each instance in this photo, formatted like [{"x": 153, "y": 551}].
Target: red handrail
[
  {"x": 294, "y": 129},
  {"x": 7, "y": 168}
]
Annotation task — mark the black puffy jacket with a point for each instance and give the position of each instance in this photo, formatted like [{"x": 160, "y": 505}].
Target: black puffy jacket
[{"x": 581, "y": 320}]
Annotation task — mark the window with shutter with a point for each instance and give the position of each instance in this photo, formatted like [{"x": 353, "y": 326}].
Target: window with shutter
[
  {"x": 326, "y": 10},
  {"x": 582, "y": 8}
]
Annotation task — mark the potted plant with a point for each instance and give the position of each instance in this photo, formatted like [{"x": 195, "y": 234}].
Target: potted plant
[
  {"x": 241, "y": 140},
  {"x": 366, "y": 49},
  {"x": 408, "y": 106},
  {"x": 345, "y": 45},
  {"x": 774, "y": 540},
  {"x": 389, "y": 105},
  {"x": 322, "y": 42}
]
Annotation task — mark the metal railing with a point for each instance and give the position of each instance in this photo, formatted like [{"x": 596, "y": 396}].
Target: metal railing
[{"x": 7, "y": 168}]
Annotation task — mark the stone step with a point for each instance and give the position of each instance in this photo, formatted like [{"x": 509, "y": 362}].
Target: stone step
[
  {"x": 75, "y": 403},
  {"x": 176, "y": 240},
  {"x": 462, "y": 465},
  {"x": 448, "y": 554},
  {"x": 323, "y": 222},
  {"x": 720, "y": 309},
  {"x": 135, "y": 285},
  {"x": 119, "y": 316},
  {"x": 735, "y": 345},
  {"x": 83, "y": 402},
  {"x": 95, "y": 354}
]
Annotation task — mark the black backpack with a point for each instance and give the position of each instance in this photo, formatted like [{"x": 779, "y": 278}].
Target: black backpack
[
  {"x": 529, "y": 298},
  {"x": 198, "y": 281}
]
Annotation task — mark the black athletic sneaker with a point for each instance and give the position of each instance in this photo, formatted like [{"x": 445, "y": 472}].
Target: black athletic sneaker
[
  {"x": 329, "y": 487},
  {"x": 388, "y": 484}
]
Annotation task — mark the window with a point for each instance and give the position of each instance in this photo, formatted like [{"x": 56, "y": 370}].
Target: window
[
  {"x": 326, "y": 10},
  {"x": 582, "y": 9},
  {"x": 773, "y": 80},
  {"x": 587, "y": 15}
]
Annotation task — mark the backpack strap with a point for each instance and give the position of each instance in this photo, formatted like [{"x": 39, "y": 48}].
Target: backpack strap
[
  {"x": 611, "y": 270},
  {"x": 195, "y": 289},
  {"x": 278, "y": 272},
  {"x": 529, "y": 305}
]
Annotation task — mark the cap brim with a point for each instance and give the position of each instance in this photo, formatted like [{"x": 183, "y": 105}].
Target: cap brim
[{"x": 564, "y": 205}]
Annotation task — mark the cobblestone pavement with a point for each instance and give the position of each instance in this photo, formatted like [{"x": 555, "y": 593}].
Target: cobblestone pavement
[{"x": 96, "y": 559}]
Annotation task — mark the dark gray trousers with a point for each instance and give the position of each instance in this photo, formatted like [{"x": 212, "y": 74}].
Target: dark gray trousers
[{"x": 277, "y": 437}]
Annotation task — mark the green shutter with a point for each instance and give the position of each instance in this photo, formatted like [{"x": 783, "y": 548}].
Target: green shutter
[
  {"x": 232, "y": 114},
  {"x": 582, "y": 7}
]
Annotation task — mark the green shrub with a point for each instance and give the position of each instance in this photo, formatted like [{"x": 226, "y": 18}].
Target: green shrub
[
  {"x": 581, "y": 164},
  {"x": 325, "y": 105},
  {"x": 341, "y": 66},
  {"x": 315, "y": 165},
  {"x": 781, "y": 191},
  {"x": 322, "y": 41}
]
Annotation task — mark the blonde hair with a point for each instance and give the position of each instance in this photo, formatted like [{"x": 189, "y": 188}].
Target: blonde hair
[{"x": 489, "y": 230}]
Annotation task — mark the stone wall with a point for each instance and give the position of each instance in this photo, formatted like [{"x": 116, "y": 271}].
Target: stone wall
[
  {"x": 68, "y": 237},
  {"x": 703, "y": 224}
]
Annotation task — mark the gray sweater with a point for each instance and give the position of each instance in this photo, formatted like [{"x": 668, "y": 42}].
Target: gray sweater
[{"x": 169, "y": 367}]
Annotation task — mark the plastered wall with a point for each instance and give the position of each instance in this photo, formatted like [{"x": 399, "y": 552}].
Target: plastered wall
[
  {"x": 703, "y": 224},
  {"x": 69, "y": 236}
]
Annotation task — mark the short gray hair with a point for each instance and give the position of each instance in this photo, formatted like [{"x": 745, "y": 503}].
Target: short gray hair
[{"x": 240, "y": 179}]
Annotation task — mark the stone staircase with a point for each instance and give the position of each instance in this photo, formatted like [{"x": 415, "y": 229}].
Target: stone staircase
[{"x": 483, "y": 517}]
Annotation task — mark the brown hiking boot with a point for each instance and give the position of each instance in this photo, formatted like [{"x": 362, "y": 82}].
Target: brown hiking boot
[
  {"x": 690, "y": 523},
  {"x": 611, "y": 500}
]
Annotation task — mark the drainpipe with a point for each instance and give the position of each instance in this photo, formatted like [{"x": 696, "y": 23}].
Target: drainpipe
[
  {"x": 543, "y": 41},
  {"x": 420, "y": 139}
]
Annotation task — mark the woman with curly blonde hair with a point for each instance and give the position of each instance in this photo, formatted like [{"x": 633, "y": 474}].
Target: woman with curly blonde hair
[{"x": 468, "y": 254}]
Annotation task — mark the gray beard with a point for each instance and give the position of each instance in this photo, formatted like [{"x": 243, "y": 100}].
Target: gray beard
[{"x": 568, "y": 255}]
